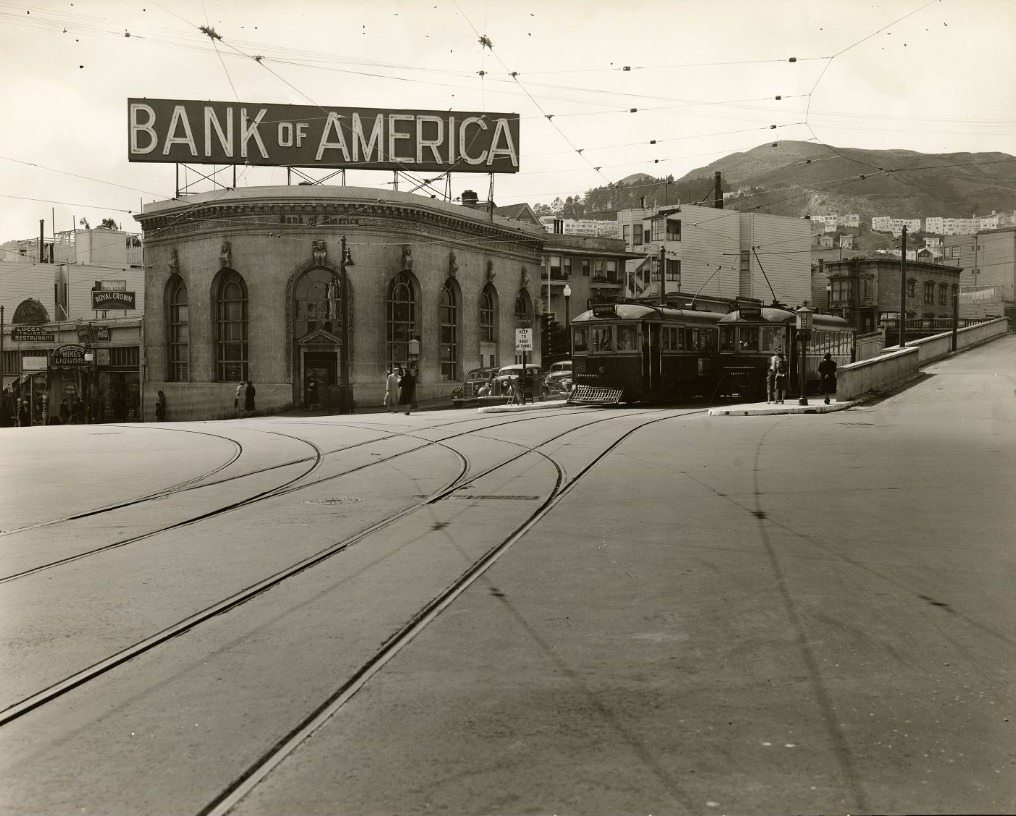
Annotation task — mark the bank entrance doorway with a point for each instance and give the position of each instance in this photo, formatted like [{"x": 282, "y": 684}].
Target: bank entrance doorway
[{"x": 320, "y": 376}]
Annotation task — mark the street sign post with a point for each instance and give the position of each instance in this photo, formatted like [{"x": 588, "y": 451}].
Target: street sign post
[{"x": 523, "y": 343}]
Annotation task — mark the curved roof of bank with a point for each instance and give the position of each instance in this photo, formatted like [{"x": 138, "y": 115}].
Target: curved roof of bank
[{"x": 317, "y": 195}]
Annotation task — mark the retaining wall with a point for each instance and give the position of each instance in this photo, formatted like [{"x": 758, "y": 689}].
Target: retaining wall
[{"x": 895, "y": 365}]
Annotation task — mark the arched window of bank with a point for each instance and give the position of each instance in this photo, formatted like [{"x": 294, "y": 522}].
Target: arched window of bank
[
  {"x": 178, "y": 331},
  {"x": 488, "y": 326},
  {"x": 523, "y": 309},
  {"x": 318, "y": 303},
  {"x": 449, "y": 321},
  {"x": 401, "y": 318},
  {"x": 231, "y": 327}
]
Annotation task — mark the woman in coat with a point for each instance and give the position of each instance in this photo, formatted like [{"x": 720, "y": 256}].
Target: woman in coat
[
  {"x": 407, "y": 390},
  {"x": 248, "y": 398}
]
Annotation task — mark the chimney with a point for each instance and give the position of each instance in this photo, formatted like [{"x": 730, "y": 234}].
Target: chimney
[
  {"x": 469, "y": 198},
  {"x": 559, "y": 226},
  {"x": 717, "y": 191}
]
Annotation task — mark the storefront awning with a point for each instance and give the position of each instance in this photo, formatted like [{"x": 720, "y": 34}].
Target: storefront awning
[{"x": 13, "y": 381}]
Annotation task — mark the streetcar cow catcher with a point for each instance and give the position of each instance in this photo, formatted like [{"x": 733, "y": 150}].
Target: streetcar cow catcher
[
  {"x": 636, "y": 352},
  {"x": 189, "y": 131}
]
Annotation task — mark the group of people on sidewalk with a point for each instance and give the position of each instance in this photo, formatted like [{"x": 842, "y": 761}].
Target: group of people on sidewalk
[
  {"x": 245, "y": 392},
  {"x": 779, "y": 370},
  {"x": 400, "y": 389}
]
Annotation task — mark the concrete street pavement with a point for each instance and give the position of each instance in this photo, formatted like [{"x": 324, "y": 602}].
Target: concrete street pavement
[{"x": 763, "y": 614}]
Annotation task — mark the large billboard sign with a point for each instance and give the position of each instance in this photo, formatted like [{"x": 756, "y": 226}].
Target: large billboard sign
[{"x": 191, "y": 132}]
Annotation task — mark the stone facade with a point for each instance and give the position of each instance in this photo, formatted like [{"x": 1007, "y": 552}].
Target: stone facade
[{"x": 276, "y": 244}]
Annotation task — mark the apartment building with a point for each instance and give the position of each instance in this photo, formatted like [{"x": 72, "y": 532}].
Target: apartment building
[
  {"x": 988, "y": 280},
  {"x": 725, "y": 254}
]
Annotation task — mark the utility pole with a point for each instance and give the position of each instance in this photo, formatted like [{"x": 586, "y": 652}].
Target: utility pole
[
  {"x": 663, "y": 274},
  {"x": 903, "y": 291}
]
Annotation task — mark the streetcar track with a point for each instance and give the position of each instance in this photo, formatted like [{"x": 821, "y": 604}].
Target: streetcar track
[
  {"x": 285, "y": 746},
  {"x": 199, "y": 481},
  {"x": 56, "y": 690},
  {"x": 279, "y": 490}
]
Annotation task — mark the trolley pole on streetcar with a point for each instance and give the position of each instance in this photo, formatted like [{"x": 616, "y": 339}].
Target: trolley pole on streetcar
[{"x": 803, "y": 334}]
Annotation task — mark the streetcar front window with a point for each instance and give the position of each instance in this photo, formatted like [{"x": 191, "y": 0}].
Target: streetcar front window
[
  {"x": 770, "y": 339},
  {"x": 627, "y": 338},
  {"x": 748, "y": 337},
  {"x": 727, "y": 338},
  {"x": 601, "y": 338},
  {"x": 580, "y": 339}
]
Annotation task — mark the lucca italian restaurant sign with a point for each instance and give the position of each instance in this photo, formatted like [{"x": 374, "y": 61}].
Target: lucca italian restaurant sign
[
  {"x": 69, "y": 356},
  {"x": 187, "y": 131}
]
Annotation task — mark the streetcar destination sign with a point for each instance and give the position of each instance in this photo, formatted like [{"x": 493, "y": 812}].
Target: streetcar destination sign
[{"x": 193, "y": 132}]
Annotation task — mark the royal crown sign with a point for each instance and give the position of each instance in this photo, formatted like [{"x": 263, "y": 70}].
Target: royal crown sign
[
  {"x": 104, "y": 301},
  {"x": 193, "y": 132}
]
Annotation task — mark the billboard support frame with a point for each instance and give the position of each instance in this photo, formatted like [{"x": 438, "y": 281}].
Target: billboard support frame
[{"x": 185, "y": 190}]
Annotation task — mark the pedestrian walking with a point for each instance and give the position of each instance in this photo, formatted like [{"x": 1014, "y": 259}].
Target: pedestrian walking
[
  {"x": 24, "y": 414},
  {"x": 771, "y": 379},
  {"x": 77, "y": 411},
  {"x": 65, "y": 412},
  {"x": 313, "y": 397},
  {"x": 160, "y": 408},
  {"x": 407, "y": 390},
  {"x": 392, "y": 389},
  {"x": 827, "y": 373},
  {"x": 782, "y": 371},
  {"x": 248, "y": 398},
  {"x": 238, "y": 399}
]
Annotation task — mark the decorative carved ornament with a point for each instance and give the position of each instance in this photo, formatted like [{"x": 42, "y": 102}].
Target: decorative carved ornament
[
  {"x": 319, "y": 251},
  {"x": 407, "y": 258},
  {"x": 525, "y": 278},
  {"x": 453, "y": 265},
  {"x": 225, "y": 254},
  {"x": 491, "y": 274},
  {"x": 174, "y": 262}
]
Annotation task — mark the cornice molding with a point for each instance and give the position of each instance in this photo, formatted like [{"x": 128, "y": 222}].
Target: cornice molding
[{"x": 232, "y": 218}]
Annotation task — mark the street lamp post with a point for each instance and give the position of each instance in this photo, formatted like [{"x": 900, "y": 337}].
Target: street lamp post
[
  {"x": 567, "y": 318},
  {"x": 803, "y": 334},
  {"x": 345, "y": 260}
]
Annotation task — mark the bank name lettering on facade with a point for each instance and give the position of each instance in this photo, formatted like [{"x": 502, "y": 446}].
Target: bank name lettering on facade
[{"x": 187, "y": 131}]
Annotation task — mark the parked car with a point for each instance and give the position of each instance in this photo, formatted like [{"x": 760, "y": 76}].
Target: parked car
[
  {"x": 532, "y": 382},
  {"x": 559, "y": 378},
  {"x": 468, "y": 391}
]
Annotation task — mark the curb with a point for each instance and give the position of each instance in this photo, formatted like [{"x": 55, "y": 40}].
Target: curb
[{"x": 765, "y": 409}]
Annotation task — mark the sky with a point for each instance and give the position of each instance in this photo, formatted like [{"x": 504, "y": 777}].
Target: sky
[{"x": 603, "y": 89}]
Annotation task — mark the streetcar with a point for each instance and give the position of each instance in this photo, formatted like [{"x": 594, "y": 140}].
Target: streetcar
[
  {"x": 751, "y": 335},
  {"x": 634, "y": 352}
]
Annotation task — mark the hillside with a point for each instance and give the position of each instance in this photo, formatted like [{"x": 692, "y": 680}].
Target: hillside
[{"x": 796, "y": 178}]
